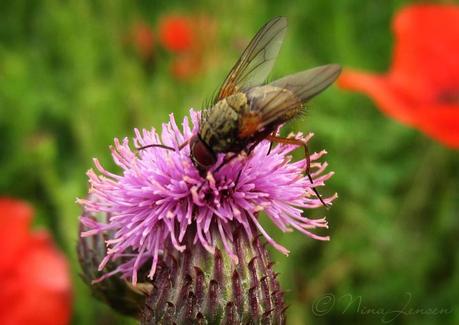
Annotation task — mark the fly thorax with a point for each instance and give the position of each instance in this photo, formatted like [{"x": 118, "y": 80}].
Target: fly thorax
[
  {"x": 220, "y": 124},
  {"x": 238, "y": 102}
]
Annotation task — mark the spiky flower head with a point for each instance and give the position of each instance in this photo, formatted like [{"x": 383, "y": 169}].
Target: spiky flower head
[
  {"x": 193, "y": 286},
  {"x": 159, "y": 199},
  {"x": 197, "y": 287}
]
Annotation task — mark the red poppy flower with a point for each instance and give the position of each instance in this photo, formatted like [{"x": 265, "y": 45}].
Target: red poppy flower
[
  {"x": 34, "y": 278},
  {"x": 176, "y": 33},
  {"x": 422, "y": 87},
  {"x": 143, "y": 40}
]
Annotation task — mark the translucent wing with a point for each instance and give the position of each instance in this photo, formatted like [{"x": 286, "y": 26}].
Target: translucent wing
[
  {"x": 257, "y": 60},
  {"x": 309, "y": 83},
  {"x": 283, "y": 99}
]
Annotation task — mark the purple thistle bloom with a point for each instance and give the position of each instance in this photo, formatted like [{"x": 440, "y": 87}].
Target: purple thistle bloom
[{"x": 160, "y": 197}]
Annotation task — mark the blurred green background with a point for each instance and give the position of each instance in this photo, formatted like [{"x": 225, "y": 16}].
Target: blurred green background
[{"x": 71, "y": 80}]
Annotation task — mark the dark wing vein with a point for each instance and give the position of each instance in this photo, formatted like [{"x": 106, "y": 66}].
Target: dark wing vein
[
  {"x": 309, "y": 83},
  {"x": 276, "y": 105},
  {"x": 257, "y": 60}
]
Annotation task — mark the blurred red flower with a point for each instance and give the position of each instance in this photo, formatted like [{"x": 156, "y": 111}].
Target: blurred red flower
[
  {"x": 143, "y": 39},
  {"x": 176, "y": 33},
  {"x": 189, "y": 38},
  {"x": 422, "y": 87},
  {"x": 184, "y": 67},
  {"x": 35, "y": 286}
]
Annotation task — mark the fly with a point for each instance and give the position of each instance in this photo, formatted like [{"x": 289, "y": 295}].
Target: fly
[{"x": 246, "y": 110}]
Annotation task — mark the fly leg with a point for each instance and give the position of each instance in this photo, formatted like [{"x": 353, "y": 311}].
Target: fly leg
[
  {"x": 246, "y": 151},
  {"x": 254, "y": 145},
  {"x": 225, "y": 161},
  {"x": 270, "y": 148},
  {"x": 155, "y": 146},
  {"x": 302, "y": 143}
]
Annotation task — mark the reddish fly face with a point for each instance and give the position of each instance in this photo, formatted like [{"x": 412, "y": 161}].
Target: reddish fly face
[{"x": 202, "y": 156}]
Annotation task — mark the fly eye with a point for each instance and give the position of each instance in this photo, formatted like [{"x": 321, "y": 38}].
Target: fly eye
[{"x": 203, "y": 157}]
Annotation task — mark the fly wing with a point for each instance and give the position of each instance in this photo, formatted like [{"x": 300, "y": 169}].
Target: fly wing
[
  {"x": 257, "y": 60},
  {"x": 283, "y": 99},
  {"x": 309, "y": 83},
  {"x": 269, "y": 107}
]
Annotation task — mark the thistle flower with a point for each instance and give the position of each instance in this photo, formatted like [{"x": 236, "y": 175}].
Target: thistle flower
[
  {"x": 160, "y": 199},
  {"x": 193, "y": 285}
]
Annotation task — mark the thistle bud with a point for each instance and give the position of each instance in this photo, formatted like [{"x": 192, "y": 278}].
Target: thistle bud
[
  {"x": 114, "y": 291},
  {"x": 199, "y": 287}
]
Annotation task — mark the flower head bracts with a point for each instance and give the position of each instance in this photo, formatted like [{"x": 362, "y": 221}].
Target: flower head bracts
[{"x": 160, "y": 197}]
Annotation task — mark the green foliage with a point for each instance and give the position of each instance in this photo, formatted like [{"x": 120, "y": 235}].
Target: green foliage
[{"x": 69, "y": 84}]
